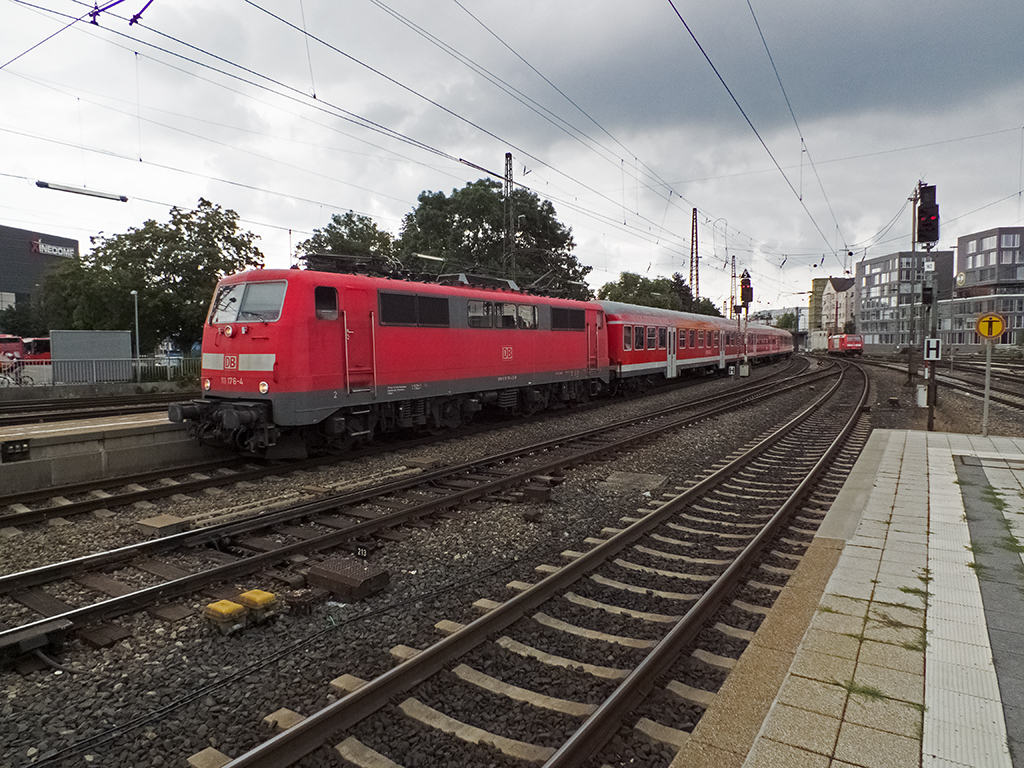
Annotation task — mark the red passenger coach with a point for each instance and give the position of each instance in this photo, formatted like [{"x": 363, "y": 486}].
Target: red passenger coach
[
  {"x": 297, "y": 359},
  {"x": 646, "y": 342}
]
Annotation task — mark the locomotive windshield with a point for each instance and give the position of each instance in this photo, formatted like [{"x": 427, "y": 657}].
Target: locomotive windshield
[{"x": 248, "y": 301}]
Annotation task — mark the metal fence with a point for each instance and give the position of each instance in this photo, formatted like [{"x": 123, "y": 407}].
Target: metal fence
[{"x": 44, "y": 373}]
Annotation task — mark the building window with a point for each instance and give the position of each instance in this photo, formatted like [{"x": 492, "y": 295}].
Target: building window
[
  {"x": 988, "y": 243},
  {"x": 972, "y": 246},
  {"x": 1010, "y": 240}
]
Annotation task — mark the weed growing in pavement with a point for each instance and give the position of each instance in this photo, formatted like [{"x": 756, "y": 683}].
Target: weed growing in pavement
[
  {"x": 1011, "y": 544},
  {"x": 993, "y": 497},
  {"x": 854, "y": 688}
]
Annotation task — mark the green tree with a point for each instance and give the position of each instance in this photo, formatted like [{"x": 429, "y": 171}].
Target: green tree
[
  {"x": 666, "y": 293},
  {"x": 787, "y": 322},
  {"x": 850, "y": 326},
  {"x": 174, "y": 267},
  {"x": 22, "y": 319},
  {"x": 350, "y": 234},
  {"x": 467, "y": 231}
]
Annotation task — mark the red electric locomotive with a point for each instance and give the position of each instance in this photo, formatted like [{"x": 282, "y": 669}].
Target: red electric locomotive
[
  {"x": 846, "y": 344},
  {"x": 299, "y": 360}
]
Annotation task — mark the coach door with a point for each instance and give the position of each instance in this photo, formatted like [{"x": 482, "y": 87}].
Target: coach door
[
  {"x": 360, "y": 363},
  {"x": 671, "y": 372}
]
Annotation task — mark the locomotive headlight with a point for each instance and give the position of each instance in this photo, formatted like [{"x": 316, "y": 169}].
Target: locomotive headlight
[
  {"x": 206, "y": 384},
  {"x": 264, "y": 387},
  {"x": 229, "y": 331}
]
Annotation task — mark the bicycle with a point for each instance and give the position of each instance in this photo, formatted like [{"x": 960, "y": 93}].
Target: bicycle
[{"x": 13, "y": 375}]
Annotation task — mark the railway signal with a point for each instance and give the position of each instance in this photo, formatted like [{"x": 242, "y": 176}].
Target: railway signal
[{"x": 927, "y": 215}]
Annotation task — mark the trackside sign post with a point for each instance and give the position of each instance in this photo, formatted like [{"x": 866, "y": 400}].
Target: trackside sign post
[{"x": 990, "y": 327}]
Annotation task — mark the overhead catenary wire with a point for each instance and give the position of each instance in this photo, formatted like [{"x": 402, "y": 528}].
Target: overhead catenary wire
[{"x": 750, "y": 123}]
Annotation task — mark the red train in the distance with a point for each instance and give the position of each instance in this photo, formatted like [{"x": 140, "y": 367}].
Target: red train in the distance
[
  {"x": 846, "y": 344},
  {"x": 298, "y": 361}
]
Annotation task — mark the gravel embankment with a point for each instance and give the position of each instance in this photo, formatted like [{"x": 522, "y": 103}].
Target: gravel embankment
[{"x": 173, "y": 689}]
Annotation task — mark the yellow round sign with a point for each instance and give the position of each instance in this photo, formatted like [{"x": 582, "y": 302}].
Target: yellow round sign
[{"x": 991, "y": 326}]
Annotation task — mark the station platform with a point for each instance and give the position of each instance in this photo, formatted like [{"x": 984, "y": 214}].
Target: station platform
[
  {"x": 37, "y": 456},
  {"x": 899, "y": 641}
]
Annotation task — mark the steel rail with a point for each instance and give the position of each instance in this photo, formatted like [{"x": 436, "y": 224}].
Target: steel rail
[
  {"x": 200, "y": 537},
  {"x": 602, "y": 725},
  {"x": 118, "y": 606},
  {"x": 307, "y": 736}
]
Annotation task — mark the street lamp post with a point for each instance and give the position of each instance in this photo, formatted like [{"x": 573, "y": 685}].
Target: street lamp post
[{"x": 138, "y": 362}]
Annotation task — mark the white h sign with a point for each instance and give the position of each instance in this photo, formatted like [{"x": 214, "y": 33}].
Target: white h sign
[{"x": 933, "y": 349}]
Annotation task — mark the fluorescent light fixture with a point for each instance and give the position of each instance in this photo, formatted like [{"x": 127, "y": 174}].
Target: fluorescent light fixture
[{"x": 81, "y": 191}]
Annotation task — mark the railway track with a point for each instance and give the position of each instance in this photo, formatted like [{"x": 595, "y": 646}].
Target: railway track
[
  {"x": 599, "y": 661},
  {"x": 33, "y": 411},
  {"x": 253, "y": 541},
  {"x": 64, "y": 502},
  {"x": 1005, "y": 389}
]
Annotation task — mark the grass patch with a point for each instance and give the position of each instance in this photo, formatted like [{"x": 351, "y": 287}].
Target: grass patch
[
  {"x": 993, "y": 497},
  {"x": 858, "y": 689},
  {"x": 979, "y": 569},
  {"x": 1011, "y": 544}
]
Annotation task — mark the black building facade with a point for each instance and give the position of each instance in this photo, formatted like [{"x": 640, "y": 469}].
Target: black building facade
[{"x": 25, "y": 256}]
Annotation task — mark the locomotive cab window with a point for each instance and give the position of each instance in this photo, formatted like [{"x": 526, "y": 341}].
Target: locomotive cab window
[
  {"x": 325, "y": 302},
  {"x": 248, "y": 301},
  {"x": 480, "y": 313},
  {"x": 627, "y": 338},
  {"x": 638, "y": 337}
]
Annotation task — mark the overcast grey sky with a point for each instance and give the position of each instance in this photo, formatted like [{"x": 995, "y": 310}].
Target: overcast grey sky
[{"x": 289, "y": 111}]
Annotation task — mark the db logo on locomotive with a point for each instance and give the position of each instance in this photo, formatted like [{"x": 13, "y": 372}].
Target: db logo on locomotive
[
  {"x": 230, "y": 362},
  {"x": 506, "y": 353}
]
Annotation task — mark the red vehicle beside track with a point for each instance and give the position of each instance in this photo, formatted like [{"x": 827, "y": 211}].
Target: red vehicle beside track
[
  {"x": 847, "y": 344},
  {"x": 298, "y": 360}
]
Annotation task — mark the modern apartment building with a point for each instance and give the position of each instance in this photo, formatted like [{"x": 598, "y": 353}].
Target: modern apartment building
[{"x": 888, "y": 307}]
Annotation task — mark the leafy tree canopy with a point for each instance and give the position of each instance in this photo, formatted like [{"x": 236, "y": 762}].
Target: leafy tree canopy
[
  {"x": 467, "y": 231},
  {"x": 666, "y": 293},
  {"x": 787, "y": 322},
  {"x": 174, "y": 267},
  {"x": 350, "y": 234}
]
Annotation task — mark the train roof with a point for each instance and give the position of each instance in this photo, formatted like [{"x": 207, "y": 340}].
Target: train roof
[
  {"x": 493, "y": 289},
  {"x": 615, "y": 309}
]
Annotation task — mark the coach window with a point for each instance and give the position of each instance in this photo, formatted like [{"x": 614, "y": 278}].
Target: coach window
[
  {"x": 480, "y": 314},
  {"x": 700, "y": 339},
  {"x": 638, "y": 337},
  {"x": 528, "y": 317},
  {"x": 693, "y": 339},
  {"x": 718, "y": 338},
  {"x": 652, "y": 337},
  {"x": 325, "y": 301},
  {"x": 627, "y": 337},
  {"x": 662, "y": 338},
  {"x": 682, "y": 338}
]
